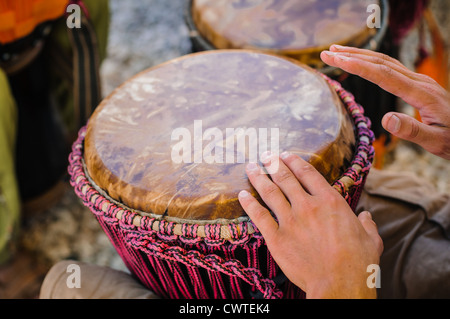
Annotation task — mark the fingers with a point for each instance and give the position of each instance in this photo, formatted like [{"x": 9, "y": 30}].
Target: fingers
[
  {"x": 259, "y": 215},
  {"x": 371, "y": 229},
  {"x": 282, "y": 176},
  {"x": 408, "y": 128},
  {"x": 293, "y": 180},
  {"x": 368, "y": 53},
  {"x": 418, "y": 90},
  {"x": 270, "y": 193},
  {"x": 310, "y": 179},
  {"x": 384, "y": 71},
  {"x": 380, "y": 60}
]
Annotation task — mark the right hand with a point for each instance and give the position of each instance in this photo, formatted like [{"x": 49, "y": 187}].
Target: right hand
[
  {"x": 418, "y": 90},
  {"x": 317, "y": 240}
]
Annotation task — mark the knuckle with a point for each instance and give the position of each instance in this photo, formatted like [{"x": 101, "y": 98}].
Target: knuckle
[
  {"x": 425, "y": 78},
  {"x": 379, "y": 60},
  {"x": 385, "y": 70},
  {"x": 379, "y": 244},
  {"x": 268, "y": 190},
  {"x": 307, "y": 168},
  {"x": 393, "y": 60},
  {"x": 334, "y": 199},
  {"x": 258, "y": 211},
  {"x": 304, "y": 169},
  {"x": 388, "y": 61},
  {"x": 299, "y": 165},
  {"x": 433, "y": 93},
  {"x": 432, "y": 89},
  {"x": 414, "y": 130},
  {"x": 283, "y": 176}
]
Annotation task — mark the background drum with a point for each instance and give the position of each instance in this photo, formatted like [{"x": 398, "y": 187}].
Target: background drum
[
  {"x": 298, "y": 29},
  {"x": 301, "y": 30},
  {"x": 178, "y": 225}
]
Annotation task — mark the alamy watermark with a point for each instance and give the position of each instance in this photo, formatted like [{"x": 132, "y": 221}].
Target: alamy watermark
[
  {"x": 73, "y": 16},
  {"x": 374, "y": 19},
  {"x": 214, "y": 146},
  {"x": 74, "y": 279},
  {"x": 374, "y": 279}
]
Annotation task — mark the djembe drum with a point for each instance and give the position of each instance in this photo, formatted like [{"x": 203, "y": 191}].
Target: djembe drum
[
  {"x": 297, "y": 29},
  {"x": 156, "y": 166}
]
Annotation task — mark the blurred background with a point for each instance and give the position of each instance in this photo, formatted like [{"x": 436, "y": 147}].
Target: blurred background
[{"x": 142, "y": 34}]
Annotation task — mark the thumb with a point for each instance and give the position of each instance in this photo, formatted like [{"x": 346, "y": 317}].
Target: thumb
[
  {"x": 407, "y": 128},
  {"x": 371, "y": 229}
]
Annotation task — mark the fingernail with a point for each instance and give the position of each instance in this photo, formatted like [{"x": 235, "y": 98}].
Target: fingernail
[
  {"x": 338, "y": 47},
  {"x": 368, "y": 214},
  {"x": 329, "y": 53},
  {"x": 244, "y": 194},
  {"x": 285, "y": 155},
  {"x": 394, "y": 124},
  {"x": 252, "y": 167},
  {"x": 265, "y": 157}
]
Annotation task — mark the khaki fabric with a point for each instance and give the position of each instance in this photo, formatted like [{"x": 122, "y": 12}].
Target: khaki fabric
[
  {"x": 96, "y": 282},
  {"x": 413, "y": 220}
]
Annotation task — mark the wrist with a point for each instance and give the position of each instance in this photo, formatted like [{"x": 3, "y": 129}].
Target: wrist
[{"x": 341, "y": 290}]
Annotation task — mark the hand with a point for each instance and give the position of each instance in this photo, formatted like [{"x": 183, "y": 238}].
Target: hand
[
  {"x": 318, "y": 242},
  {"x": 418, "y": 90}
]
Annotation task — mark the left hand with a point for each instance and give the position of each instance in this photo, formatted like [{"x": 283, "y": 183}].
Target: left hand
[
  {"x": 318, "y": 242},
  {"x": 423, "y": 93}
]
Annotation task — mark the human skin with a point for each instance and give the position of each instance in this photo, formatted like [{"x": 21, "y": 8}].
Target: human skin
[
  {"x": 420, "y": 91},
  {"x": 318, "y": 242}
]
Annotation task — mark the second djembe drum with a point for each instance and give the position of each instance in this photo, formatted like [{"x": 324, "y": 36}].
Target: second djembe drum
[
  {"x": 162, "y": 161},
  {"x": 298, "y": 29}
]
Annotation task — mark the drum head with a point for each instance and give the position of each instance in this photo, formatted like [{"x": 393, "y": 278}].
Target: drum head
[
  {"x": 166, "y": 142},
  {"x": 300, "y": 29}
]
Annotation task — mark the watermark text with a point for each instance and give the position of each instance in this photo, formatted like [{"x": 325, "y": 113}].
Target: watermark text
[{"x": 214, "y": 146}]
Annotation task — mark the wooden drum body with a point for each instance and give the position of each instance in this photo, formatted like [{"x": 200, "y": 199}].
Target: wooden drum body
[{"x": 157, "y": 168}]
